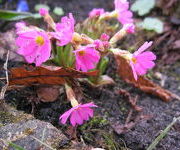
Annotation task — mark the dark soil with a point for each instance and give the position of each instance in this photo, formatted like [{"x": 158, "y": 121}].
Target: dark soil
[{"x": 113, "y": 108}]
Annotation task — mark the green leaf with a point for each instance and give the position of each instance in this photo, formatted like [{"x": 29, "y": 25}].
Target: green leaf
[
  {"x": 152, "y": 24},
  {"x": 13, "y": 15},
  {"x": 37, "y": 16},
  {"x": 143, "y": 7},
  {"x": 58, "y": 11},
  {"x": 38, "y": 6},
  {"x": 16, "y": 147},
  {"x": 103, "y": 65}
]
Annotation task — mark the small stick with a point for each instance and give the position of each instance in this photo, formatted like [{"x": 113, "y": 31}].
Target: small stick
[
  {"x": 3, "y": 90},
  {"x": 162, "y": 134},
  {"x": 3, "y": 78}
]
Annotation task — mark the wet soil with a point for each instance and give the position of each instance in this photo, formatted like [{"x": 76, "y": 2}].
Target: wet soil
[{"x": 113, "y": 108}]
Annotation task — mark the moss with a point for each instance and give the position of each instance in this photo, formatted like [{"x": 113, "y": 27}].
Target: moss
[
  {"x": 12, "y": 116},
  {"x": 5, "y": 118},
  {"x": 96, "y": 122},
  {"x": 110, "y": 142}
]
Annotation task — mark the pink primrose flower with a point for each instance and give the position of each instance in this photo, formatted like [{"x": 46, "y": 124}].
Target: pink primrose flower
[
  {"x": 141, "y": 61},
  {"x": 124, "y": 15},
  {"x": 129, "y": 28},
  {"x": 43, "y": 11},
  {"x": 64, "y": 30},
  {"x": 86, "y": 57},
  {"x": 96, "y": 12},
  {"x": 34, "y": 45},
  {"x": 78, "y": 114}
]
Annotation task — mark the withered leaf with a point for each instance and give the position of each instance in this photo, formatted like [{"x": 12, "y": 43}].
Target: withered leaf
[
  {"x": 125, "y": 72},
  {"x": 48, "y": 93},
  {"x": 50, "y": 75}
]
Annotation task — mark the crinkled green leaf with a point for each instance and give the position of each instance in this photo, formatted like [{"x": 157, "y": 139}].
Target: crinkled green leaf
[
  {"x": 38, "y": 6},
  {"x": 13, "y": 15},
  {"x": 143, "y": 7},
  {"x": 153, "y": 24},
  {"x": 58, "y": 11}
]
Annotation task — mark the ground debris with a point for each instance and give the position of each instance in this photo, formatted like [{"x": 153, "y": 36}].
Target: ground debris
[
  {"x": 131, "y": 100},
  {"x": 142, "y": 83}
]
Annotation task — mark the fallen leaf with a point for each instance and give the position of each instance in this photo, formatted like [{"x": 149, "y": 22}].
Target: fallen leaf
[
  {"x": 48, "y": 93},
  {"x": 50, "y": 75},
  {"x": 142, "y": 83}
]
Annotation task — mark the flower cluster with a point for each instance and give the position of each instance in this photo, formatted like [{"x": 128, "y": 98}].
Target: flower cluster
[{"x": 37, "y": 46}]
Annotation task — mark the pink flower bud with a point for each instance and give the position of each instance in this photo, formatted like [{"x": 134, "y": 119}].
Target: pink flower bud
[
  {"x": 96, "y": 12},
  {"x": 129, "y": 28},
  {"x": 104, "y": 37},
  {"x": 43, "y": 11}
]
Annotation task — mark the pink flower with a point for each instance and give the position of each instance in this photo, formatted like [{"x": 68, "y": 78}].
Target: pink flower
[
  {"x": 129, "y": 28},
  {"x": 99, "y": 45},
  {"x": 141, "y": 61},
  {"x": 64, "y": 30},
  {"x": 43, "y": 11},
  {"x": 34, "y": 45},
  {"x": 78, "y": 114},
  {"x": 96, "y": 12},
  {"x": 86, "y": 58},
  {"x": 124, "y": 15},
  {"x": 104, "y": 37}
]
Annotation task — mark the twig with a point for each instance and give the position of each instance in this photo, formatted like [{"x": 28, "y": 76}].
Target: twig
[
  {"x": 43, "y": 143},
  {"x": 3, "y": 90},
  {"x": 162, "y": 135},
  {"x": 3, "y": 78}
]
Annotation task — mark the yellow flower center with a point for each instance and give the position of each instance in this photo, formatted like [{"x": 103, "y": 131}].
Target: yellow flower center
[
  {"x": 114, "y": 14},
  {"x": 39, "y": 40},
  {"x": 134, "y": 60},
  {"x": 81, "y": 53}
]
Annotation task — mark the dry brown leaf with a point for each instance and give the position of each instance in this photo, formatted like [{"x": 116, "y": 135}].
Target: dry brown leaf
[
  {"x": 48, "y": 93},
  {"x": 50, "y": 75},
  {"x": 125, "y": 72}
]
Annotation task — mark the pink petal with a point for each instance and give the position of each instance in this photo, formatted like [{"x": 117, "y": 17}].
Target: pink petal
[
  {"x": 147, "y": 64},
  {"x": 90, "y": 111},
  {"x": 121, "y": 5},
  {"x": 80, "y": 65},
  {"x": 84, "y": 114},
  {"x": 143, "y": 48},
  {"x": 91, "y": 104},
  {"x": 146, "y": 56},
  {"x": 133, "y": 69},
  {"x": 139, "y": 69},
  {"x": 125, "y": 17},
  {"x": 75, "y": 116},
  {"x": 65, "y": 116}
]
